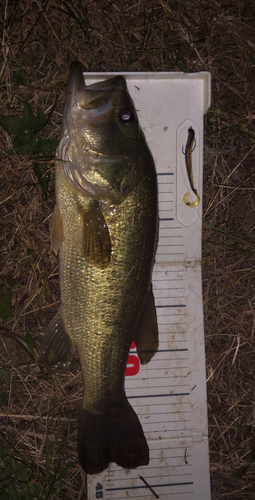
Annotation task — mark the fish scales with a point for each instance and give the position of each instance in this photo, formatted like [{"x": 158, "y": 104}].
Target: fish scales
[
  {"x": 107, "y": 237},
  {"x": 106, "y": 303}
]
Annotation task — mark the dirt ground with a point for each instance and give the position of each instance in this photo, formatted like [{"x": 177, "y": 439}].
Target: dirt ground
[{"x": 39, "y": 40}]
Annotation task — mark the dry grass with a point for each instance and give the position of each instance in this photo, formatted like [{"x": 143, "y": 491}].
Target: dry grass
[{"x": 40, "y": 38}]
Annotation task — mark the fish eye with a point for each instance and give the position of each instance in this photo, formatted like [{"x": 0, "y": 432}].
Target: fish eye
[{"x": 127, "y": 116}]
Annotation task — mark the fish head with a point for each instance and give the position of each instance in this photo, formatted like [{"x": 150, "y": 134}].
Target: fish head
[
  {"x": 105, "y": 118},
  {"x": 105, "y": 149}
]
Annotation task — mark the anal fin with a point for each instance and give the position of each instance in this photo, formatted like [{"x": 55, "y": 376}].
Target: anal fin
[
  {"x": 56, "y": 342},
  {"x": 96, "y": 237},
  {"x": 146, "y": 338}
]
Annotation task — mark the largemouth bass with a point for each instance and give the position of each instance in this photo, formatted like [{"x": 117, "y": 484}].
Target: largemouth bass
[{"x": 105, "y": 226}]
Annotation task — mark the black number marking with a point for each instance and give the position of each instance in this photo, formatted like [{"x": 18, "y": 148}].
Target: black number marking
[{"x": 99, "y": 494}]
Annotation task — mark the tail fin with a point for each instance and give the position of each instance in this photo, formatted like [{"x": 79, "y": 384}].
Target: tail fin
[{"x": 114, "y": 437}]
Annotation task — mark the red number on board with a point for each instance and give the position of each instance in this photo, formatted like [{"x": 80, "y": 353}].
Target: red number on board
[{"x": 133, "y": 363}]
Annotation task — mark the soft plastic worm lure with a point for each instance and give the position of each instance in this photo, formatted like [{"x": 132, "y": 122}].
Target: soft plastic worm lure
[{"x": 190, "y": 146}]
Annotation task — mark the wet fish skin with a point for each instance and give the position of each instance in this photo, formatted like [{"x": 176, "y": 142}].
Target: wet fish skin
[{"x": 105, "y": 225}]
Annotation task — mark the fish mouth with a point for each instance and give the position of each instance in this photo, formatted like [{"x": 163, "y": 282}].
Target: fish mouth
[
  {"x": 96, "y": 100},
  {"x": 96, "y": 110},
  {"x": 93, "y": 173},
  {"x": 89, "y": 103},
  {"x": 94, "y": 103},
  {"x": 90, "y": 98}
]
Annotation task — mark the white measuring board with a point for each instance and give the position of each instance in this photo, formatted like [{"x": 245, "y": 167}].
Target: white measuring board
[{"x": 169, "y": 394}]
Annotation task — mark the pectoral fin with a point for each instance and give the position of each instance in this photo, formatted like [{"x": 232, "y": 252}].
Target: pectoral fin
[
  {"x": 147, "y": 337},
  {"x": 56, "y": 229},
  {"x": 56, "y": 342},
  {"x": 96, "y": 237}
]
